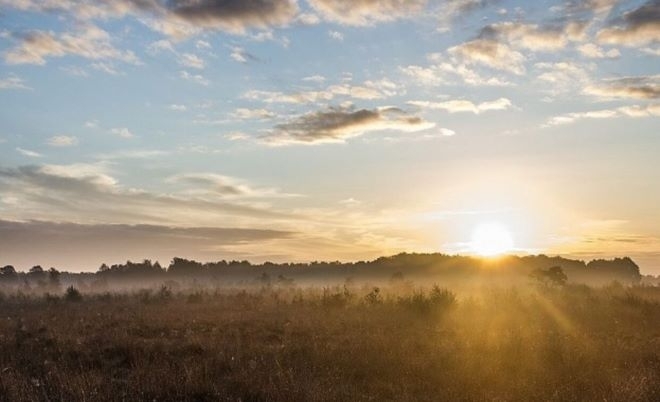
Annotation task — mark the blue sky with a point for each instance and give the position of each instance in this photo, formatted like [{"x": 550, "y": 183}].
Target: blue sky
[{"x": 327, "y": 129}]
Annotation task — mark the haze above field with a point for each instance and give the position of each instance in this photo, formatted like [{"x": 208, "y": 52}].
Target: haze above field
[{"x": 323, "y": 130}]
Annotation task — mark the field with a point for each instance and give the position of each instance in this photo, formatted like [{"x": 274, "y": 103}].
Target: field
[{"x": 357, "y": 343}]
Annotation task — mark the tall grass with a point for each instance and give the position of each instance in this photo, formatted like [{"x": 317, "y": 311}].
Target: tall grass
[{"x": 282, "y": 343}]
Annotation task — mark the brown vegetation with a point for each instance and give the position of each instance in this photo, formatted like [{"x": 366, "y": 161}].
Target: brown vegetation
[{"x": 282, "y": 343}]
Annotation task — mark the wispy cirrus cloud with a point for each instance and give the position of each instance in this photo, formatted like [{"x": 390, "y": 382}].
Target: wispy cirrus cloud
[
  {"x": 635, "y": 111},
  {"x": 13, "y": 82},
  {"x": 28, "y": 153}
]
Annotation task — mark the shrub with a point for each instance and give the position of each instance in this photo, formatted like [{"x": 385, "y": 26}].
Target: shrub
[
  {"x": 374, "y": 296},
  {"x": 72, "y": 294}
]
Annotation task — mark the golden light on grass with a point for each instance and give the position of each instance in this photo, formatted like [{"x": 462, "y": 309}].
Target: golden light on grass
[{"x": 491, "y": 239}]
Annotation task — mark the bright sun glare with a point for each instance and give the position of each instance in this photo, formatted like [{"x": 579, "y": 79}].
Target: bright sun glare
[{"x": 490, "y": 239}]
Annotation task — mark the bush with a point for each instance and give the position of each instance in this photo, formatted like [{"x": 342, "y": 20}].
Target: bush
[
  {"x": 72, "y": 294},
  {"x": 374, "y": 296},
  {"x": 437, "y": 300}
]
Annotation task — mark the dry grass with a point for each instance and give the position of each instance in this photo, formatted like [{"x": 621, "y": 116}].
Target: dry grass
[{"x": 287, "y": 344}]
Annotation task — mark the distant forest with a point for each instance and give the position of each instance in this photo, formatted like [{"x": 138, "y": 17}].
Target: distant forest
[{"x": 439, "y": 268}]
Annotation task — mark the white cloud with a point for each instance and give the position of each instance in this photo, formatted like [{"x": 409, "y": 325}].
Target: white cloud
[
  {"x": 63, "y": 141},
  {"x": 319, "y": 79},
  {"x": 594, "y": 51},
  {"x": 192, "y": 61},
  {"x": 91, "y": 43},
  {"x": 635, "y": 111},
  {"x": 366, "y": 12},
  {"x": 336, "y": 35},
  {"x": 177, "y": 107},
  {"x": 250, "y": 114},
  {"x": 460, "y": 105},
  {"x": 202, "y": 44},
  {"x": 490, "y": 53},
  {"x": 196, "y": 78},
  {"x": 107, "y": 68},
  {"x": 122, "y": 132},
  {"x": 28, "y": 153},
  {"x": 92, "y": 124},
  {"x": 13, "y": 82}
]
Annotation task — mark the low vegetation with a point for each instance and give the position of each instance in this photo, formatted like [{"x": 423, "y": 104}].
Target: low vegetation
[{"x": 352, "y": 342}]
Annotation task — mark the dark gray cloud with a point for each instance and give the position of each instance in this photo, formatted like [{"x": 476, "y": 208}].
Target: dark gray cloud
[
  {"x": 339, "y": 124},
  {"x": 233, "y": 15},
  {"x": 84, "y": 247},
  {"x": 177, "y": 18},
  {"x": 636, "y": 27}
]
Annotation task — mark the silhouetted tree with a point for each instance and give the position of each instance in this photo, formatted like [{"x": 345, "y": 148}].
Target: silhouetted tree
[
  {"x": 553, "y": 276},
  {"x": 54, "y": 277},
  {"x": 8, "y": 273}
]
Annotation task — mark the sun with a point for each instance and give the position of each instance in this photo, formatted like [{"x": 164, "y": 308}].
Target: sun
[{"x": 491, "y": 239}]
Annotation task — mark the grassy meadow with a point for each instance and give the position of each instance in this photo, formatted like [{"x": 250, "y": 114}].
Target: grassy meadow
[{"x": 345, "y": 343}]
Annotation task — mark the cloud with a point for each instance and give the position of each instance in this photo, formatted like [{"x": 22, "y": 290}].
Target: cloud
[
  {"x": 336, "y": 125},
  {"x": 366, "y": 12},
  {"x": 91, "y": 124},
  {"x": 62, "y": 141},
  {"x": 640, "y": 87},
  {"x": 192, "y": 61},
  {"x": 224, "y": 186},
  {"x": 636, "y": 111},
  {"x": 369, "y": 90},
  {"x": 160, "y": 46},
  {"x": 452, "y": 9},
  {"x": 89, "y": 193},
  {"x": 234, "y": 16},
  {"x": 564, "y": 76},
  {"x": 132, "y": 154},
  {"x": 637, "y": 27},
  {"x": 87, "y": 246},
  {"x": 241, "y": 55},
  {"x": 177, "y": 107},
  {"x": 651, "y": 51},
  {"x": 319, "y": 79},
  {"x": 459, "y": 105},
  {"x": 196, "y": 78},
  {"x": 336, "y": 35},
  {"x": 593, "y": 6},
  {"x": 491, "y": 53},
  {"x": 251, "y": 114},
  {"x": 13, "y": 82},
  {"x": 28, "y": 153},
  {"x": 593, "y": 51},
  {"x": 107, "y": 68},
  {"x": 91, "y": 43},
  {"x": 176, "y": 18},
  {"x": 535, "y": 37},
  {"x": 122, "y": 132}
]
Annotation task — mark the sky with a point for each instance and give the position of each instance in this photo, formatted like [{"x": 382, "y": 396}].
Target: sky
[{"x": 282, "y": 130}]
